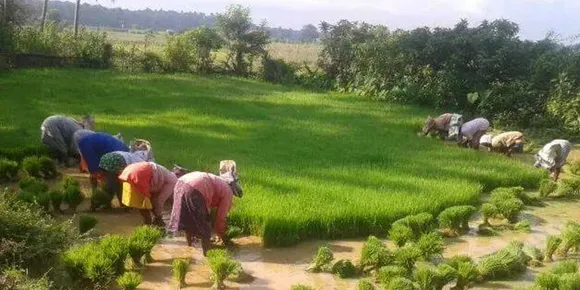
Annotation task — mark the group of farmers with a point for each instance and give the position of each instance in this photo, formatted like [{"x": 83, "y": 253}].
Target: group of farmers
[
  {"x": 131, "y": 174},
  {"x": 476, "y": 133}
]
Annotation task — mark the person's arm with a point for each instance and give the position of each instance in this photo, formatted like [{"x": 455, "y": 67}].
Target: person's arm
[{"x": 222, "y": 214}]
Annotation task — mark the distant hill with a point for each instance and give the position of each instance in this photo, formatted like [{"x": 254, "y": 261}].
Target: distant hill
[{"x": 158, "y": 20}]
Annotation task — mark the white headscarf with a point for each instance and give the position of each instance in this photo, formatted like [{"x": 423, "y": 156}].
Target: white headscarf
[{"x": 485, "y": 139}]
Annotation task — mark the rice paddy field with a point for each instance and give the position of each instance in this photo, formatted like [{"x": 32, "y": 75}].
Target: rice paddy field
[{"x": 313, "y": 165}]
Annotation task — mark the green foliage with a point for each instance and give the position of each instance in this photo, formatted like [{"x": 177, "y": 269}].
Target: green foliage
[
  {"x": 142, "y": 241},
  {"x": 548, "y": 281},
  {"x": 87, "y": 223},
  {"x": 534, "y": 253},
  {"x": 179, "y": 269},
  {"x": 277, "y": 71},
  {"x": 34, "y": 191},
  {"x": 56, "y": 198},
  {"x": 116, "y": 248},
  {"x": 388, "y": 273},
  {"x": 8, "y": 170},
  {"x": 365, "y": 285},
  {"x": 16, "y": 279},
  {"x": 504, "y": 263},
  {"x": 321, "y": 260},
  {"x": 575, "y": 168},
  {"x": 301, "y": 287},
  {"x": 407, "y": 256},
  {"x": 222, "y": 265},
  {"x": 100, "y": 198},
  {"x": 344, "y": 269},
  {"x": 420, "y": 224},
  {"x": 565, "y": 267},
  {"x": 570, "y": 281},
  {"x": 507, "y": 202},
  {"x": 129, "y": 280},
  {"x": 430, "y": 245},
  {"x": 564, "y": 102},
  {"x": 568, "y": 188},
  {"x": 400, "y": 283},
  {"x": 401, "y": 234},
  {"x": 461, "y": 268},
  {"x": 231, "y": 233},
  {"x": 374, "y": 255},
  {"x": 523, "y": 226},
  {"x": 193, "y": 50},
  {"x": 456, "y": 218},
  {"x": 570, "y": 238},
  {"x": 552, "y": 244},
  {"x": 428, "y": 277},
  {"x": 32, "y": 184},
  {"x": 72, "y": 194},
  {"x": 489, "y": 211},
  {"x": 547, "y": 186},
  {"x": 40, "y": 167}
]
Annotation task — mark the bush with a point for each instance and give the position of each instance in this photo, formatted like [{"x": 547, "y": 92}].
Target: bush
[
  {"x": 388, "y": 273},
  {"x": 400, "y": 283},
  {"x": 56, "y": 198},
  {"x": 321, "y": 260},
  {"x": 365, "y": 285},
  {"x": 401, "y": 234},
  {"x": 277, "y": 71},
  {"x": 34, "y": 191},
  {"x": 179, "y": 270},
  {"x": 16, "y": 279},
  {"x": 344, "y": 269},
  {"x": 504, "y": 263},
  {"x": 374, "y": 255},
  {"x": 552, "y": 244},
  {"x": 222, "y": 265},
  {"x": 420, "y": 224},
  {"x": 301, "y": 287},
  {"x": 456, "y": 218},
  {"x": 430, "y": 245},
  {"x": 129, "y": 281},
  {"x": 407, "y": 256},
  {"x": 8, "y": 170},
  {"x": 142, "y": 241},
  {"x": 547, "y": 186},
  {"x": 87, "y": 223}
]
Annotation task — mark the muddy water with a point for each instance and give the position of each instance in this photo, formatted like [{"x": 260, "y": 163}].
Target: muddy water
[{"x": 281, "y": 268}]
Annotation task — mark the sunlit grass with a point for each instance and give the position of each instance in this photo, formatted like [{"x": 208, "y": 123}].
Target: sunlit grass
[{"x": 312, "y": 165}]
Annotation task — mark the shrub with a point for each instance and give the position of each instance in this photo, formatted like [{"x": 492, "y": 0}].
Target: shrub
[
  {"x": 548, "y": 281},
  {"x": 344, "y": 269},
  {"x": 32, "y": 166},
  {"x": 400, "y": 283},
  {"x": 523, "y": 226},
  {"x": 321, "y": 260},
  {"x": 503, "y": 263},
  {"x": 129, "y": 280},
  {"x": 374, "y": 255},
  {"x": 430, "y": 245},
  {"x": 100, "y": 198},
  {"x": 222, "y": 265},
  {"x": 179, "y": 270},
  {"x": 565, "y": 267},
  {"x": 547, "y": 186},
  {"x": 277, "y": 71},
  {"x": 388, "y": 273},
  {"x": 456, "y": 218},
  {"x": 552, "y": 244},
  {"x": 56, "y": 198},
  {"x": 420, "y": 224},
  {"x": 142, "y": 241},
  {"x": 32, "y": 184},
  {"x": 401, "y": 234},
  {"x": 365, "y": 285},
  {"x": 301, "y": 287},
  {"x": 8, "y": 170},
  {"x": 87, "y": 223},
  {"x": 570, "y": 237},
  {"x": 73, "y": 196},
  {"x": 407, "y": 256}
]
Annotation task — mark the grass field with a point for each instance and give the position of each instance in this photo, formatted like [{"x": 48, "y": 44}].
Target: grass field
[{"x": 312, "y": 165}]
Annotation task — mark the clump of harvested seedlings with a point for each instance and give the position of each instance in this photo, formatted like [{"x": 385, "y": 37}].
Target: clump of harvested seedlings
[
  {"x": 321, "y": 260},
  {"x": 301, "y": 287},
  {"x": 374, "y": 255},
  {"x": 344, "y": 269},
  {"x": 569, "y": 281},
  {"x": 456, "y": 218},
  {"x": 100, "y": 199},
  {"x": 552, "y": 244},
  {"x": 142, "y": 241},
  {"x": 116, "y": 248},
  {"x": 231, "y": 233},
  {"x": 523, "y": 226},
  {"x": 428, "y": 277},
  {"x": 568, "y": 266},
  {"x": 400, "y": 283},
  {"x": 407, "y": 256},
  {"x": 56, "y": 198},
  {"x": 48, "y": 167},
  {"x": 419, "y": 224},
  {"x": 32, "y": 184},
  {"x": 568, "y": 188},
  {"x": 129, "y": 281},
  {"x": 504, "y": 263},
  {"x": 575, "y": 168},
  {"x": 34, "y": 191},
  {"x": 89, "y": 266},
  {"x": 535, "y": 255},
  {"x": 570, "y": 238},
  {"x": 488, "y": 211},
  {"x": 505, "y": 203},
  {"x": 388, "y": 273},
  {"x": 430, "y": 245},
  {"x": 548, "y": 281},
  {"x": 40, "y": 167},
  {"x": 72, "y": 194},
  {"x": 365, "y": 285},
  {"x": 463, "y": 269},
  {"x": 179, "y": 269},
  {"x": 222, "y": 266},
  {"x": 401, "y": 234},
  {"x": 86, "y": 223},
  {"x": 547, "y": 187},
  {"x": 8, "y": 170}
]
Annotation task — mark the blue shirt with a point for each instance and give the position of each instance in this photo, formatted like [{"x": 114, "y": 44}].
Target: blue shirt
[{"x": 93, "y": 146}]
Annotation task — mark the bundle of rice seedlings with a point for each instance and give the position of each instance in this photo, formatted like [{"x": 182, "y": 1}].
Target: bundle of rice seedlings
[
  {"x": 388, "y": 273},
  {"x": 8, "y": 170},
  {"x": 456, "y": 218},
  {"x": 56, "y": 198},
  {"x": 86, "y": 223},
  {"x": 547, "y": 186},
  {"x": 365, "y": 285},
  {"x": 179, "y": 270},
  {"x": 575, "y": 168},
  {"x": 563, "y": 190},
  {"x": 486, "y": 230},
  {"x": 222, "y": 266},
  {"x": 32, "y": 166},
  {"x": 401, "y": 234},
  {"x": 321, "y": 260},
  {"x": 374, "y": 255},
  {"x": 427, "y": 277},
  {"x": 548, "y": 281},
  {"x": 461, "y": 268},
  {"x": 430, "y": 245},
  {"x": 420, "y": 224},
  {"x": 301, "y": 287},
  {"x": 569, "y": 281},
  {"x": 552, "y": 244},
  {"x": 400, "y": 283},
  {"x": 231, "y": 233},
  {"x": 507, "y": 202},
  {"x": 535, "y": 255},
  {"x": 129, "y": 281},
  {"x": 72, "y": 193},
  {"x": 116, "y": 248},
  {"x": 574, "y": 184},
  {"x": 344, "y": 269},
  {"x": 407, "y": 256},
  {"x": 568, "y": 266},
  {"x": 504, "y": 263},
  {"x": 32, "y": 184},
  {"x": 142, "y": 241},
  {"x": 48, "y": 167},
  {"x": 523, "y": 226},
  {"x": 489, "y": 211},
  {"x": 570, "y": 238}
]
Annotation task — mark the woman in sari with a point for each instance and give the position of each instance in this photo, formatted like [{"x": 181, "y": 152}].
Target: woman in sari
[
  {"x": 113, "y": 163},
  {"x": 553, "y": 157},
  {"x": 471, "y": 132},
  {"x": 57, "y": 134},
  {"x": 505, "y": 142},
  {"x": 147, "y": 187},
  {"x": 196, "y": 194}
]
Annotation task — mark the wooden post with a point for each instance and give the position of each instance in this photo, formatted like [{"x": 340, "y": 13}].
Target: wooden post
[
  {"x": 44, "y": 7},
  {"x": 76, "y": 25}
]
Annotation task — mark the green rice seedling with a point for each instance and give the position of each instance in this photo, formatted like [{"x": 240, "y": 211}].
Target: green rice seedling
[
  {"x": 400, "y": 283},
  {"x": 222, "y": 266},
  {"x": 56, "y": 198},
  {"x": 401, "y": 234},
  {"x": 486, "y": 230},
  {"x": 86, "y": 223},
  {"x": 507, "y": 203},
  {"x": 430, "y": 245},
  {"x": 42, "y": 199},
  {"x": 467, "y": 273},
  {"x": 68, "y": 182},
  {"x": 575, "y": 168},
  {"x": 8, "y": 170},
  {"x": 32, "y": 184},
  {"x": 321, "y": 260},
  {"x": 129, "y": 280},
  {"x": 407, "y": 256},
  {"x": 523, "y": 226},
  {"x": 344, "y": 269},
  {"x": 570, "y": 238},
  {"x": 419, "y": 224},
  {"x": 535, "y": 255},
  {"x": 32, "y": 166},
  {"x": 231, "y": 233},
  {"x": 179, "y": 269},
  {"x": 568, "y": 266},
  {"x": 547, "y": 186},
  {"x": 364, "y": 284},
  {"x": 563, "y": 190},
  {"x": 427, "y": 277},
  {"x": 506, "y": 262},
  {"x": 374, "y": 255},
  {"x": 489, "y": 211},
  {"x": 574, "y": 184},
  {"x": 552, "y": 244},
  {"x": 569, "y": 281},
  {"x": 456, "y": 218},
  {"x": 447, "y": 274},
  {"x": 89, "y": 266},
  {"x": 142, "y": 241},
  {"x": 548, "y": 281},
  {"x": 47, "y": 167},
  {"x": 116, "y": 248},
  {"x": 100, "y": 198},
  {"x": 301, "y": 287},
  {"x": 73, "y": 197},
  {"x": 388, "y": 273}
]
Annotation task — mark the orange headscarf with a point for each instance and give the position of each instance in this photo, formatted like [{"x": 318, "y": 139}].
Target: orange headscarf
[{"x": 139, "y": 175}]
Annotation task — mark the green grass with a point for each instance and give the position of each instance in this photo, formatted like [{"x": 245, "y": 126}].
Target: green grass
[{"x": 312, "y": 165}]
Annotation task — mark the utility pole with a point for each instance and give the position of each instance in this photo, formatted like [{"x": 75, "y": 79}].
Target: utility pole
[
  {"x": 77, "y": 7},
  {"x": 44, "y": 7}
]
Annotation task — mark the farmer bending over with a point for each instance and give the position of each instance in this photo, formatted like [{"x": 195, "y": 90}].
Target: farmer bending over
[
  {"x": 471, "y": 132},
  {"x": 553, "y": 156},
  {"x": 504, "y": 142},
  {"x": 446, "y": 125},
  {"x": 57, "y": 134},
  {"x": 147, "y": 186},
  {"x": 196, "y": 193}
]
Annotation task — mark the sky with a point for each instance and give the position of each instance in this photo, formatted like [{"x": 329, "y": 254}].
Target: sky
[{"x": 535, "y": 17}]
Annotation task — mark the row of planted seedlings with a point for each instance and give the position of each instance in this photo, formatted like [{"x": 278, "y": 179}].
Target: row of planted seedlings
[{"x": 417, "y": 261}]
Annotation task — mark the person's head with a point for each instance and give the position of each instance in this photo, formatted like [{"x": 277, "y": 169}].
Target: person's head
[
  {"x": 113, "y": 163},
  {"x": 231, "y": 176},
  {"x": 485, "y": 140},
  {"x": 429, "y": 124},
  {"x": 88, "y": 122},
  {"x": 228, "y": 165}
]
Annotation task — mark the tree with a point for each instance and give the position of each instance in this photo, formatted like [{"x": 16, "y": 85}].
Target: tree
[
  {"x": 309, "y": 33},
  {"x": 242, "y": 41}
]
